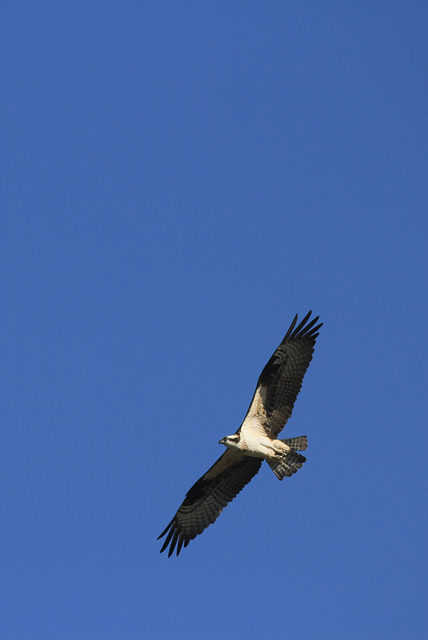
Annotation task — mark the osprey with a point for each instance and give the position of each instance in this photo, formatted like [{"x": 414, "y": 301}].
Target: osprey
[{"x": 255, "y": 440}]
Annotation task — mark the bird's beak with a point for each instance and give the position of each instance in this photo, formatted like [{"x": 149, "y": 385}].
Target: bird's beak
[{"x": 221, "y": 441}]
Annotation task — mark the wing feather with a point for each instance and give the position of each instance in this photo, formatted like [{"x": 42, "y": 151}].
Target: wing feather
[
  {"x": 206, "y": 499},
  {"x": 281, "y": 379}
]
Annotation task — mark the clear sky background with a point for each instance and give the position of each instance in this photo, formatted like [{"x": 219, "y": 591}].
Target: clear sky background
[{"x": 180, "y": 179}]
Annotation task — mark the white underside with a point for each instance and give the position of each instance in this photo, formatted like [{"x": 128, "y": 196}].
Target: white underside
[
  {"x": 255, "y": 443},
  {"x": 263, "y": 447}
]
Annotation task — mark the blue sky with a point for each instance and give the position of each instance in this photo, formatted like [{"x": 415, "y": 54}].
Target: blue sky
[{"x": 179, "y": 179}]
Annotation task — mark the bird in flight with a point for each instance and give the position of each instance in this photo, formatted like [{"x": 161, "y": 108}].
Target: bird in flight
[{"x": 255, "y": 440}]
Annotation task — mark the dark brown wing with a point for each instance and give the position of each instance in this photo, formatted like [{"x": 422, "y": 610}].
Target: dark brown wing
[
  {"x": 209, "y": 495},
  {"x": 281, "y": 379}
]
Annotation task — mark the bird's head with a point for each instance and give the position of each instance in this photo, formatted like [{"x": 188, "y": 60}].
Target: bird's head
[{"x": 231, "y": 442}]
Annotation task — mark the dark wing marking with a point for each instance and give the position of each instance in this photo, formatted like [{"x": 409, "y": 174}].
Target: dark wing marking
[
  {"x": 209, "y": 495},
  {"x": 281, "y": 379}
]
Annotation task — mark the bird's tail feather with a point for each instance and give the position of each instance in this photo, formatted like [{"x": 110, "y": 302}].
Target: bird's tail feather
[
  {"x": 291, "y": 461},
  {"x": 297, "y": 444},
  {"x": 288, "y": 465}
]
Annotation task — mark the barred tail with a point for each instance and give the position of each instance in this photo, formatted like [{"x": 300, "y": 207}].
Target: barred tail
[
  {"x": 287, "y": 465},
  {"x": 297, "y": 444}
]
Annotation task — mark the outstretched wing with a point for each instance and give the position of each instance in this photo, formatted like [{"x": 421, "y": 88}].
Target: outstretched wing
[
  {"x": 209, "y": 495},
  {"x": 281, "y": 379}
]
